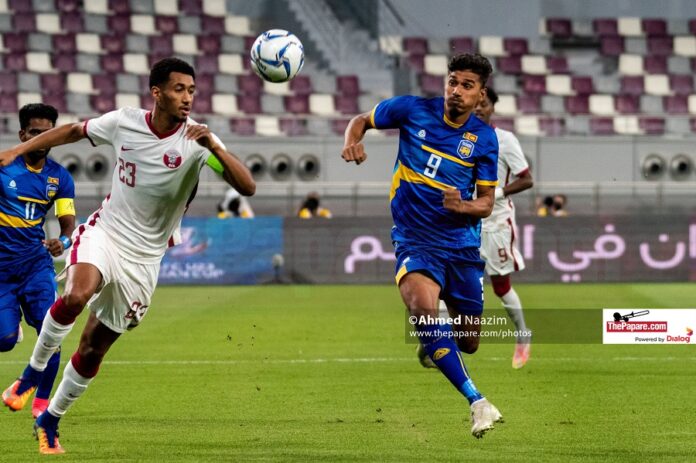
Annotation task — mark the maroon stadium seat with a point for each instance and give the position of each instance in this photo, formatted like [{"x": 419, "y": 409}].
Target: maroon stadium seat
[
  {"x": 676, "y": 104},
  {"x": 529, "y": 104},
  {"x": 113, "y": 43},
  {"x": 203, "y": 103},
  {"x": 209, "y": 44},
  {"x": 505, "y": 123},
  {"x": 652, "y": 125},
  {"x": 57, "y": 100},
  {"x": 534, "y": 84},
  {"x": 64, "y": 43},
  {"x": 348, "y": 85},
  {"x": 8, "y": 103},
  {"x": 146, "y": 100},
  {"x": 652, "y": 27},
  {"x": 682, "y": 84},
  {"x": 293, "y": 127},
  {"x": 68, "y": 6},
  {"x": 461, "y": 45},
  {"x": 103, "y": 103},
  {"x": 16, "y": 42},
  {"x": 25, "y": 22},
  {"x": 152, "y": 58},
  {"x": 660, "y": 45},
  {"x": 53, "y": 83},
  {"x": 559, "y": 27},
  {"x": 632, "y": 85},
  {"x": 119, "y": 23},
  {"x": 655, "y": 64},
  {"x": 602, "y": 126},
  {"x": 627, "y": 104},
  {"x": 612, "y": 45},
  {"x": 15, "y": 62},
  {"x": 167, "y": 24},
  {"x": 346, "y": 104},
  {"x": 250, "y": 104},
  {"x": 692, "y": 123},
  {"x": 191, "y": 7},
  {"x": 249, "y": 84},
  {"x": 8, "y": 82},
  {"x": 557, "y": 64},
  {"x": 161, "y": 44},
  {"x": 301, "y": 85},
  {"x": 578, "y": 104},
  {"x": 205, "y": 83},
  {"x": 509, "y": 64},
  {"x": 339, "y": 126},
  {"x": 552, "y": 126},
  {"x": 64, "y": 62},
  {"x": 605, "y": 27},
  {"x": 243, "y": 126},
  {"x": 72, "y": 22},
  {"x": 113, "y": 63},
  {"x": 249, "y": 41},
  {"x": 119, "y": 6},
  {"x": 582, "y": 85},
  {"x": 515, "y": 45},
  {"x": 415, "y": 45},
  {"x": 105, "y": 83},
  {"x": 21, "y": 6},
  {"x": 416, "y": 62},
  {"x": 431, "y": 85},
  {"x": 212, "y": 25},
  {"x": 207, "y": 64},
  {"x": 296, "y": 104}
]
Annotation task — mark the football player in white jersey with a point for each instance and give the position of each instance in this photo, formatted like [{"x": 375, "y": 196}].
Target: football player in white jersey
[
  {"x": 498, "y": 235},
  {"x": 116, "y": 254}
]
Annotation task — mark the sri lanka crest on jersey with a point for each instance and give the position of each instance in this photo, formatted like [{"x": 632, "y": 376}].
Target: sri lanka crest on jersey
[
  {"x": 465, "y": 149},
  {"x": 172, "y": 159}
]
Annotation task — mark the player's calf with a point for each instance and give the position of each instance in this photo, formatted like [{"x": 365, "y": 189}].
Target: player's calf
[{"x": 8, "y": 341}]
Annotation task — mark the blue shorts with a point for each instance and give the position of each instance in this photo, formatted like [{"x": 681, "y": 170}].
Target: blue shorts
[
  {"x": 459, "y": 272},
  {"x": 30, "y": 289}
]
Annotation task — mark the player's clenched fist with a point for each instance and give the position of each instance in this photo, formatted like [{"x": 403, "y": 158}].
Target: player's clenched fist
[
  {"x": 201, "y": 133},
  {"x": 452, "y": 200},
  {"x": 6, "y": 158},
  {"x": 354, "y": 153}
]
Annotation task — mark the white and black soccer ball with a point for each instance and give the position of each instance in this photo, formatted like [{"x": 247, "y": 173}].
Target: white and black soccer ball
[{"x": 277, "y": 55}]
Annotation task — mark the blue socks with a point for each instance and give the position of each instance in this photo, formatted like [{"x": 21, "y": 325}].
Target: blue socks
[
  {"x": 439, "y": 343},
  {"x": 49, "y": 376}
]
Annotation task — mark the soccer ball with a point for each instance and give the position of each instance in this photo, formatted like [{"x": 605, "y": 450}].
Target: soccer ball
[{"x": 277, "y": 55}]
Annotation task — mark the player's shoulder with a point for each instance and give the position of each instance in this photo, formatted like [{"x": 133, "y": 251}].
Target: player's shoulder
[
  {"x": 482, "y": 132},
  {"x": 505, "y": 135}
]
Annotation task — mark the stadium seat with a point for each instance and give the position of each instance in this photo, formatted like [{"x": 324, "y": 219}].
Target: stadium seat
[
  {"x": 534, "y": 84},
  {"x": 631, "y": 65},
  {"x": 8, "y": 82},
  {"x": 627, "y": 125},
  {"x": 71, "y": 22},
  {"x": 391, "y": 45},
  {"x": 552, "y": 126},
  {"x": 112, "y": 43},
  {"x": 279, "y": 88},
  {"x": 529, "y": 104},
  {"x": 559, "y": 27},
  {"x": 68, "y": 6},
  {"x": 209, "y": 44},
  {"x": 112, "y": 63},
  {"x": 655, "y": 64},
  {"x": 185, "y": 44},
  {"x": 602, "y": 126},
  {"x": 654, "y": 27},
  {"x": 431, "y": 85},
  {"x": 191, "y": 7},
  {"x": 301, "y": 85},
  {"x": 203, "y": 104},
  {"x": 527, "y": 125},
  {"x": 461, "y": 45},
  {"x": 237, "y": 25},
  {"x": 143, "y": 24},
  {"x": 214, "y": 7},
  {"x": 509, "y": 64},
  {"x": 232, "y": 64},
  {"x": 505, "y": 123},
  {"x": 104, "y": 83},
  {"x": 348, "y": 85},
  {"x": 20, "y": 6},
  {"x": 268, "y": 126},
  {"x": 417, "y": 62},
  {"x": 559, "y": 84},
  {"x": 15, "y": 42},
  {"x": 338, "y": 126},
  {"x": 119, "y": 6},
  {"x": 297, "y": 104},
  {"x": 579, "y": 104},
  {"x": 15, "y": 62},
  {"x": 534, "y": 64},
  {"x": 652, "y": 125},
  {"x": 103, "y": 103},
  {"x": 294, "y": 127},
  {"x": 207, "y": 64},
  {"x": 243, "y": 126},
  {"x": 166, "y": 7},
  {"x": 25, "y": 22},
  {"x": 346, "y": 104},
  {"x": 39, "y": 62},
  {"x": 119, "y": 24},
  {"x": 249, "y": 104},
  {"x": 605, "y": 27},
  {"x": 78, "y": 82},
  {"x": 205, "y": 83},
  {"x": 515, "y": 46},
  {"x": 681, "y": 84},
  {"x": 161, "y": 44},
  {"x": 612, "y": 45},
  {"x": 415, "y": 45},
  {"x": 685, "y": 46},
  {"x": 506, "y": 106},
  {"x": 626, "y": 104},
  {"x": 64, "y": 43},
  {"x": 629, "y": 27},
  {"x": 660, "y": 45},
  {"x": 48, "y": 23},
  {"x": 491, "y": 46},
  {"x": 25, "y": 98},
  {"x": 8, "y": 103},
  {"x": 272, "y": 104},
  {"x": 249, "y": 84},
  {"x": 657, "y": 84},
  {"x": 64, "y": 62},
  {"x": 632, "y": 85},
  {"x": 212, "y": 25},
  {"x": 136, "y": 63},
  {"x": 167, "y": 24}
]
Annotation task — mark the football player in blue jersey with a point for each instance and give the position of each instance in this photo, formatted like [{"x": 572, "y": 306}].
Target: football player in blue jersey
[
  {"x": 29, "y": 187},
  {"x": 443, "y": 185}
]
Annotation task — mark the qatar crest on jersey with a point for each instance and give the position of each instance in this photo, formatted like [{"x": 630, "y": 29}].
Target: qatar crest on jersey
[{"x": 172, "y": 159}]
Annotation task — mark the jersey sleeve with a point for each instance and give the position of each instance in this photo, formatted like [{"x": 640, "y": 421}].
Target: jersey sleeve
[
  {"x": 392, "y": 113},
  {"x": 487, "y": 164},
  {"x": 514, "y": 157},
  {"x": 101, "y": 130}
]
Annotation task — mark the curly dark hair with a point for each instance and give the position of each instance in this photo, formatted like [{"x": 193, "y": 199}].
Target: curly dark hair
[
  {"x": 492, "y": 95},
  {"x": 159, "y": 74},
  {"x": 476, "y": 63},
  {"x": 37, "y": 111}
]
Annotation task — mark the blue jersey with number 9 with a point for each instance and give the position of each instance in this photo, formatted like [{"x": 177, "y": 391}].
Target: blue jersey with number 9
[{"x": 436, "y": 154}]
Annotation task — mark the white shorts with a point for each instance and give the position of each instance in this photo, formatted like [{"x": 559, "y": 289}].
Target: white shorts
[
  {"x": 499, "y": 250},
  {"x": 122, "y": 299}
]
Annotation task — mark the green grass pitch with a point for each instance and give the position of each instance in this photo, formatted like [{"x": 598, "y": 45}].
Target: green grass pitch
[{"x": 322, "y": 373}]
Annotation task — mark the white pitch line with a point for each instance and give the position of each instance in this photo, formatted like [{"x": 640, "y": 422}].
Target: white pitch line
[{"x": 539, "y": 359}]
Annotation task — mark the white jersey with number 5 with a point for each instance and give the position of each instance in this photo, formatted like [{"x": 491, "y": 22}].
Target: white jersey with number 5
[
  {"x": 154, "y": 177},
  {"x": 511, "y": 163}
]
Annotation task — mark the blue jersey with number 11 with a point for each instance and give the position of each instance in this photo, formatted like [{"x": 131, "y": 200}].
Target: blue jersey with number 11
[{"x": 435, "y": 154}]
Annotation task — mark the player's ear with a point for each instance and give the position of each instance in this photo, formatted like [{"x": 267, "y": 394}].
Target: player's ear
[
  {"x": 155, "y": 91},
  {"x": 22, "y": 135}
]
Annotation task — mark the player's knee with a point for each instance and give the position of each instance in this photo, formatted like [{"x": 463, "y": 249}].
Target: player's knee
[
  {"x": 8, "y": 341},
  {"x": 467, "y": 346},
  {"x": 501, "y": 285},
  {"x": 75, "y": 299}
]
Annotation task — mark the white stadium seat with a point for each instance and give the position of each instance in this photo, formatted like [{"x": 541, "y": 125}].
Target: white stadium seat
[
  {"x": 506, "y": 106},
  {"x": 534, "y": 64},
  {"x": 685, "y": 46},
  {"x": 48, "y": 23},
  {"x": 143, "y": 24},
  {"x": 185, "y": 44},
  {"x": 214, "y": 7},
  {"x": 136, "y": 63},
  {"x": 322, "y": 104},
  {"x": 88, "y": 43},
  {"x": 627, "y": 125},
  {"x": 237, "y": 25},
  {"x": 602, "y": 105},
  {"x": 435, "y": 65},
  {"x": 28, "y": 98},
  {"x": 80, "y": 82},
  {"x": 127, "y": 100},
  {"x": 631, "y": 27},
  {"x": 657, "y": 84},
  {"x": 631, "y": 65},
  {"x": 225, "y": 105},
  {"x": 166, "y": 7},
  {"x": 39, "y": 62},
  {"x": 491, "y": 46},
  {"x": 231, "y": 64},
  {"x": 268, "y": 126},
  {"x": 559, "y": 84}
]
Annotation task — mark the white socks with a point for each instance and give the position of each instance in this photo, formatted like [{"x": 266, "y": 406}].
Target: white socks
[
  {"x": 513, "y": 306},
  {"x": 50, "y": 338},
  {"x": 69, "y": 390}
]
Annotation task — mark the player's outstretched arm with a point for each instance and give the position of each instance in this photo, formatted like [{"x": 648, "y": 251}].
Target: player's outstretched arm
[
  {"x": 353, "y": 149},
  {"x": 235, "y": 172},
  {"x": 68, "y": 133},
  {"x": 523, "y": 182},
  {"x": 480, "y": 207}
]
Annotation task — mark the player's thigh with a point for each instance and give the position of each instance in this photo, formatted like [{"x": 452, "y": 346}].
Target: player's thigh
[
  {"x": 420, "y": 275},
  {"x": 463, "y": 290},
  {"x": 122, "y": 303},
  {"x": 9, "y": 313},
  {"x": 37, "y": 295},
  {"x": 420, "y": 293}
]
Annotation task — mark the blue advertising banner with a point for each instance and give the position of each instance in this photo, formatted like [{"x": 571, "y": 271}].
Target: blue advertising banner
[{"x": 224, "y": 251}]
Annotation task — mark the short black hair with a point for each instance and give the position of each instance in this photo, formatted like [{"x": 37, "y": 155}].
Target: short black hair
[
  {"x": 160, "y": 71},
  {"x": 492, "y": 95},
  {"x": 37, "y": 111},
  {"x": 476, "y": 63}
]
